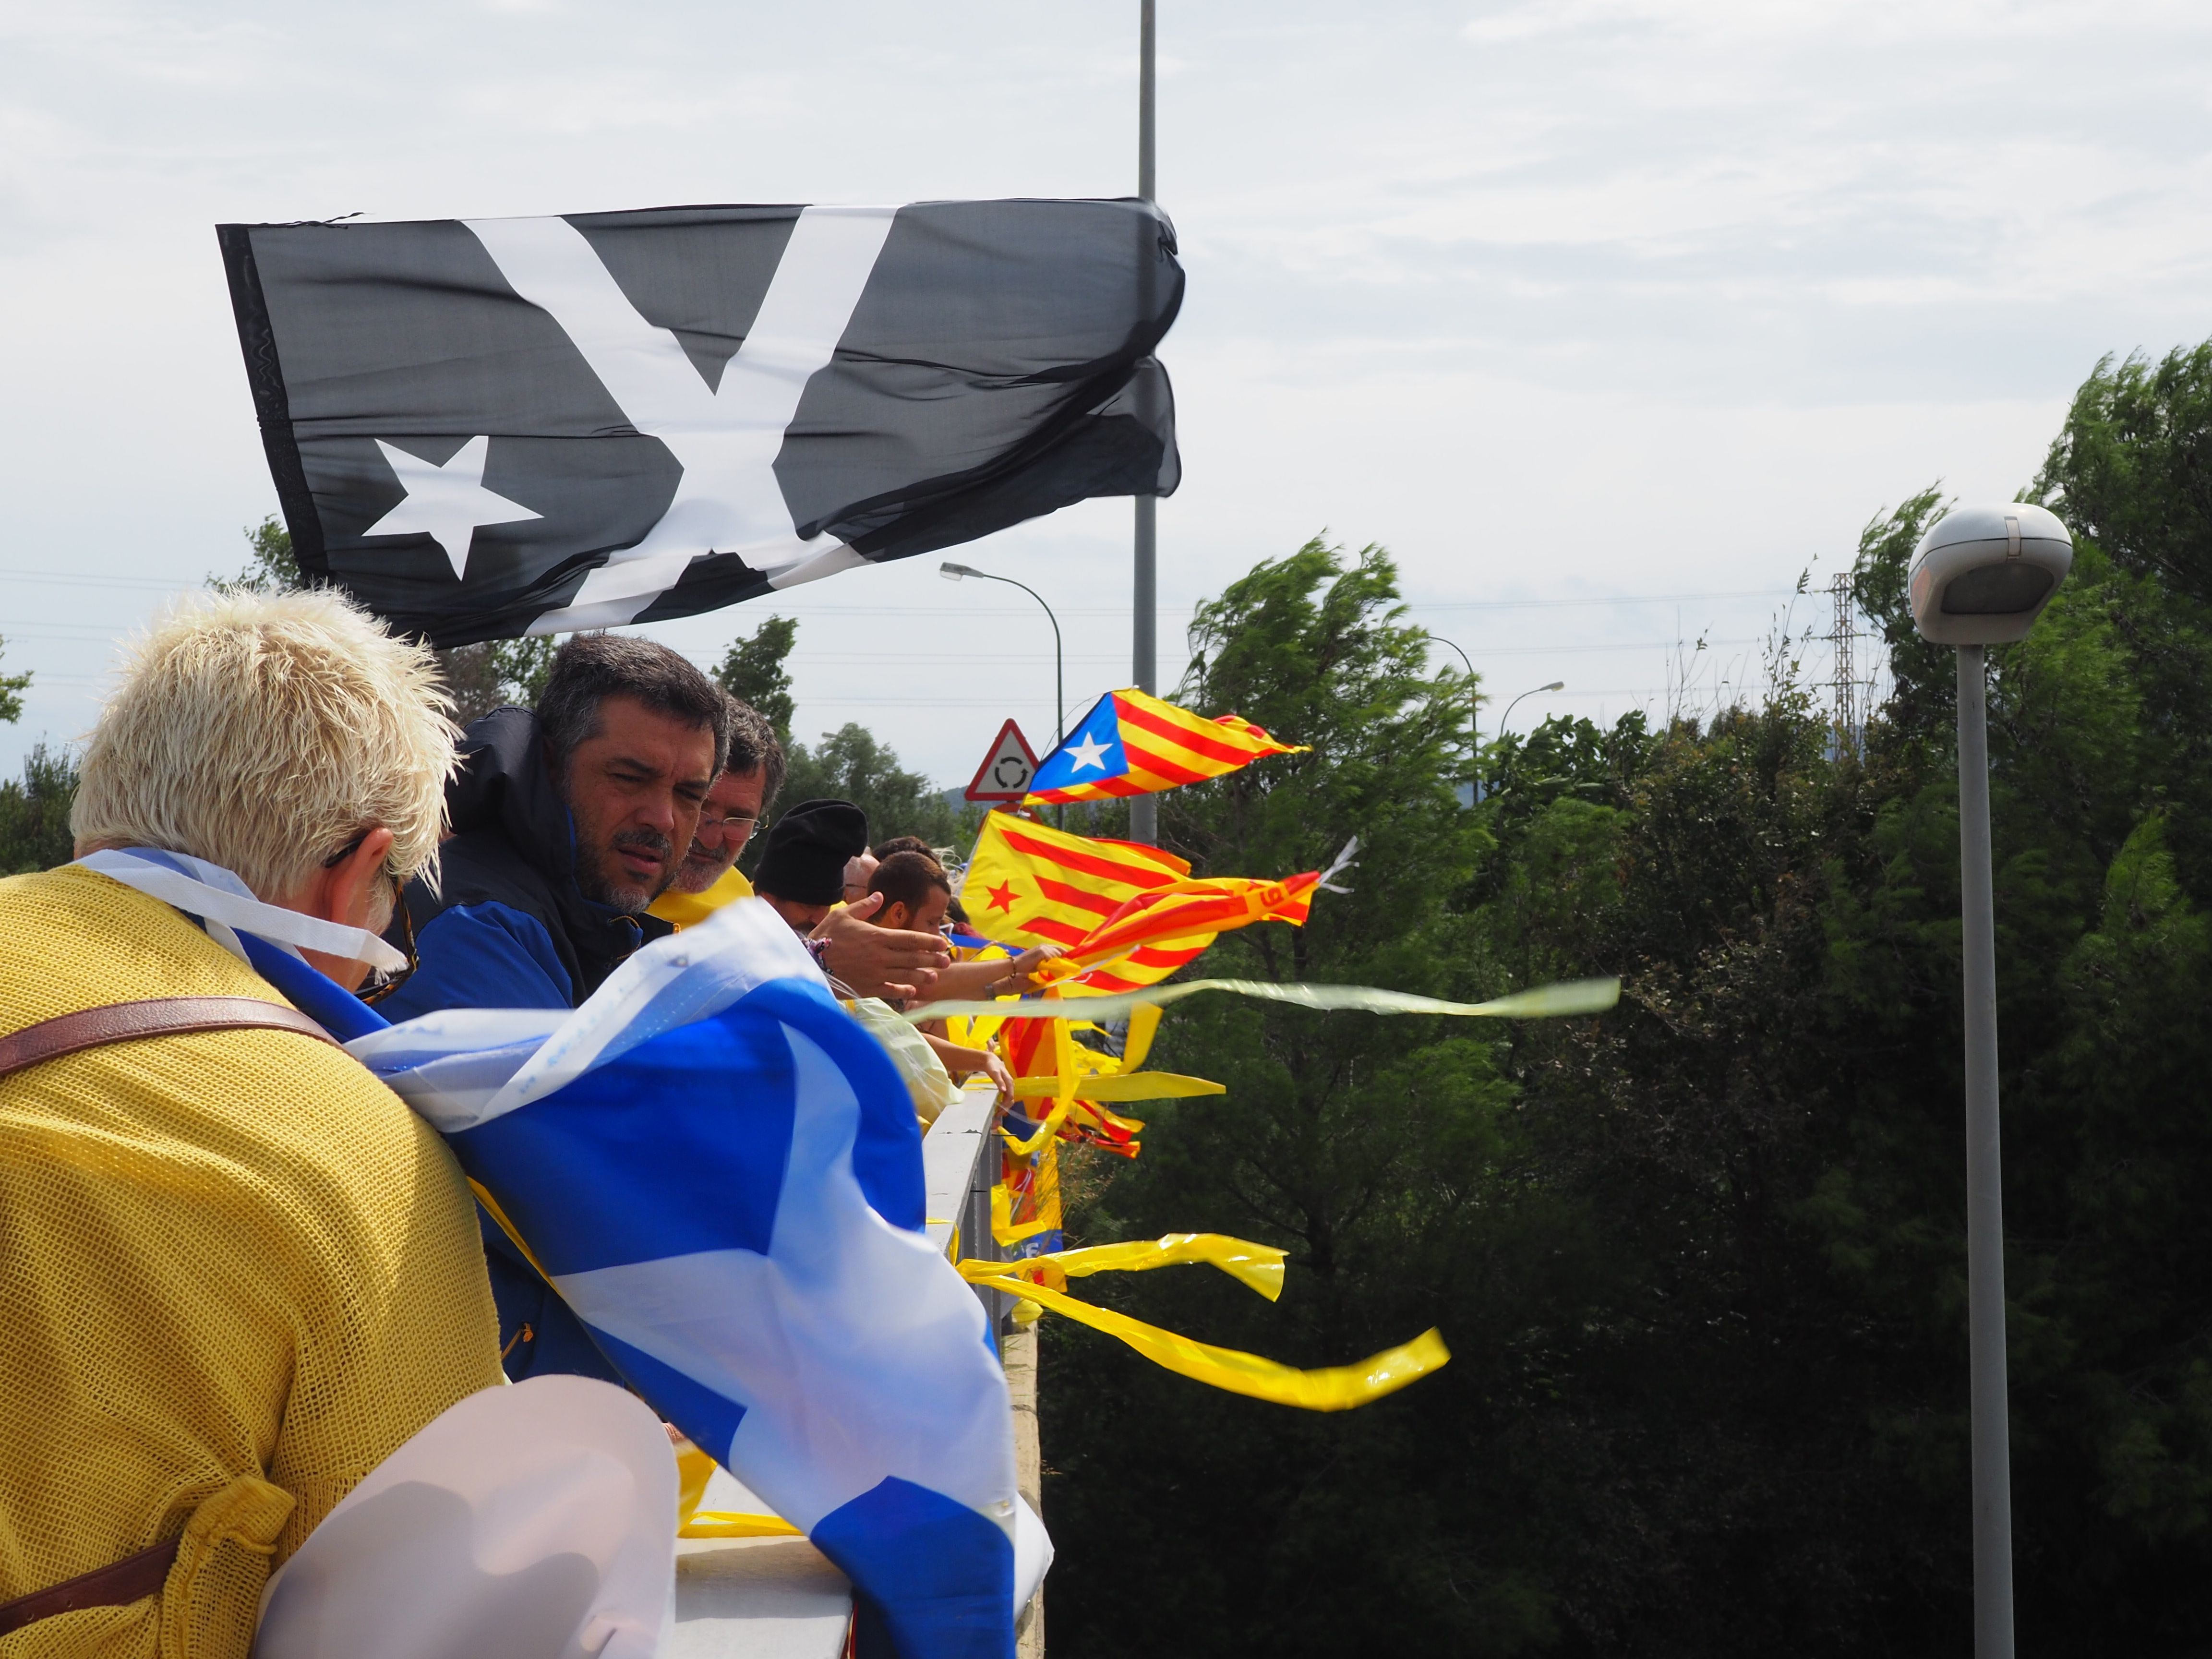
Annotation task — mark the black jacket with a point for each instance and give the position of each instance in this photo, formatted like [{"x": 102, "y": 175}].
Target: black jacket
[{"x": 514, "y": 844}]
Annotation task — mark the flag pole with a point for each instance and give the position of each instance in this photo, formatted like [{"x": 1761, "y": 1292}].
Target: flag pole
[{"x": 1144, "y": 669}]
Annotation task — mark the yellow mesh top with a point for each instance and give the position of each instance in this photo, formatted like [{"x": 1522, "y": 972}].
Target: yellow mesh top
[
  {"x": 235, "y": 1273},
  {"x": 689, "y": 909}
]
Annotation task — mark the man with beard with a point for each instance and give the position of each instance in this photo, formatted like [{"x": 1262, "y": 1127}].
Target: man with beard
[
  {"x": 708, "y": 877},
  {"x": 566, "y": 823}
]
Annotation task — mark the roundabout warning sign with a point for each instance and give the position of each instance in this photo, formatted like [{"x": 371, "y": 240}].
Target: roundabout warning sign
[{"x": 1005, "y": 772}]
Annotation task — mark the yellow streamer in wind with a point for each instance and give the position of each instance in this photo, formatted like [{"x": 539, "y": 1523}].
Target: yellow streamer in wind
[
  {"x": 1334, "y": 1389},
  {"x": 1576, "y": 996},
  {"x": 1134, "y": 1085}
]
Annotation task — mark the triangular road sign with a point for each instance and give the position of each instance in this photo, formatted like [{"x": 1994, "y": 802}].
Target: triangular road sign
[{"x": 1005, "y": 772}]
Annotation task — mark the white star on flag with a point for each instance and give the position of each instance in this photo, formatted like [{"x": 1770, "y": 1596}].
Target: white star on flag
[
  {"x": 447, "y": 503},
  {"x": 1089, "y": 752}
]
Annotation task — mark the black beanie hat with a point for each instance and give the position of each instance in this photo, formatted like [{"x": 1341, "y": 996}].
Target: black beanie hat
[{"x": 805, "y": 859}]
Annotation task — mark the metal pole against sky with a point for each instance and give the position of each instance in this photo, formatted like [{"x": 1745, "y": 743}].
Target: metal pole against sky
[
  {"x": 1144, "y": 667},
  {"x": 1980, "y": 577},
  {"x": 1986, "y": 1298}
]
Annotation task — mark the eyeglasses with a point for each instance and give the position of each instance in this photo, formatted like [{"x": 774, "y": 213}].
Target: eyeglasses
[
  {"x": 353, "y": 847},
  {"x": 740, "y": 824}
]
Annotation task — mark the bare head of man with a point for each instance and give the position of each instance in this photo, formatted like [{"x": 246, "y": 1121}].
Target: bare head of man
[
  {"x": 750, "y": 776},
  {"x": 916, "y": 892},
  {"x": 287, "y": 737},
  {"x": 635, "y": 735}
]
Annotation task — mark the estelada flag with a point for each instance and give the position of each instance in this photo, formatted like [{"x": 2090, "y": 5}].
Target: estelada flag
[
  {"x": 1127, "y": 915},
  {"x": 1134, "y": 744},
  {"x": 1029, "y": 883},
  {"x": 1192, "y": 911}
]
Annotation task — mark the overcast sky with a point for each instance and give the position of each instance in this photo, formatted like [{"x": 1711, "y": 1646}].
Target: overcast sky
[{"x": 1570, "y": 305}]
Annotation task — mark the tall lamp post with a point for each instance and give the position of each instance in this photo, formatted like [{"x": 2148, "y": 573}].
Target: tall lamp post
[
  {"x": 1980, "y": 577},
  {"x": 1144, "y": 671},
  {"x": 1474, "y": 716},
  {"x": 1474, "y": 703},
  {"x": 953, "y": 573}
]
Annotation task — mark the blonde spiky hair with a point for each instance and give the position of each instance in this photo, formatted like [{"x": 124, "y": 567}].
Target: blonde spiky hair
[{"x": 264, "y": 732}]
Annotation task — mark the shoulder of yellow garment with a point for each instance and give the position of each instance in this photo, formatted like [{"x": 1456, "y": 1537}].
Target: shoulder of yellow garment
[{"x": 689, "y": 909}]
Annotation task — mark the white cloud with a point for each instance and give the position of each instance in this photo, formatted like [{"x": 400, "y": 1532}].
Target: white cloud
[{"x": 1555, "y": 298}]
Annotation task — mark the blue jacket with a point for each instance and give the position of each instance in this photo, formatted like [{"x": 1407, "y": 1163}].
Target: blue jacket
[{"x": 509, "y": 928}]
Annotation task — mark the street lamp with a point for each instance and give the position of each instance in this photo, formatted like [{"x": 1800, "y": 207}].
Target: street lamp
[
  {"x": 1475, "y": 708},
  {"x": 1556, "y": 685},
  {"x": 1980, "y": 577},
  {"x": 953, "y": 573}
]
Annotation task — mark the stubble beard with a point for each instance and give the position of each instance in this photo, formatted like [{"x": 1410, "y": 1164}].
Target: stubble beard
[{"x": 602, "y": 885}]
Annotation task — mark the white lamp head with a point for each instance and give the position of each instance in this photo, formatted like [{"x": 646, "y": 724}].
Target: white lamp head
[{"x": 1982, "y": 574}]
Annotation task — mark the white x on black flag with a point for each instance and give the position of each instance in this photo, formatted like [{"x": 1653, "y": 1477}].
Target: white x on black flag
[{"x": 489, "y": 428}]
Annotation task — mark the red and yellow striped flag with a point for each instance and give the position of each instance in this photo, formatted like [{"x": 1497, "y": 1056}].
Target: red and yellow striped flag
[
  {"x": 1133, "y": 744},
  {"x": 1029, "y": 883},
  {"x": 1130, "y": 915}
]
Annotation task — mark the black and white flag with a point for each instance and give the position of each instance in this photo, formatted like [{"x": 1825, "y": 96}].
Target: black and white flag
[{"x": 487, "y": 427}]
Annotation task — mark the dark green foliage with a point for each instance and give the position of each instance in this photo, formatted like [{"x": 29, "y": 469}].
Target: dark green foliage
[
  {"x": 497, "y": 673},
  {"x": 12, "y": 687},
  {"x": 1701, "y": 1262},
  {"x": 850, "y": 764},
  {"x": 753, "y": 672},
  {"x": 34, "y": 810},
  {"x": 478, "y": 678},
  {"x": 270, "y": 565},
  {"x": 2133, "y": 468}
]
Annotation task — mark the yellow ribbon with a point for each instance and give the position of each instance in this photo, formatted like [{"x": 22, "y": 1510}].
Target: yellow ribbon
[
  {"x": 1260, "y": 1267},
  {"x": 1133, "y": 1085},
  {"x": 1576, "y": 996},
  {"x": 1084, "y": 1110},
  {"x": 1256, "y": 1267},
  {"x": 729, "y": 1523},
  {"x": 1335, "y": 1389},
  {"x": 693, "y": 1470}
]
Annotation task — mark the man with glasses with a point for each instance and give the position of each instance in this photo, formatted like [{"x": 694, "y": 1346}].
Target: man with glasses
[{"x": 708, "y": 877}]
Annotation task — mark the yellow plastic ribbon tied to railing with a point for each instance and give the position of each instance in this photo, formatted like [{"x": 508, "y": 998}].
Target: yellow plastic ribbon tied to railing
[
  {"x": 693, "y": 1470},
  {"x": 1260, "y": 1267}
]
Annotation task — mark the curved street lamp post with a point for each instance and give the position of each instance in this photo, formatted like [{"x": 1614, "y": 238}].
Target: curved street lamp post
[
  {"x": 1556, "y": 685},
  {"x": 953, "y": 573}
]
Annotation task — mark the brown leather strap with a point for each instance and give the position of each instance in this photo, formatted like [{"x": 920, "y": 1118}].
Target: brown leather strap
[
  {"x": 141, "y": 1575},
  {"x": 118, "y": 1586},
  {"x": 127, "y": 1022}
]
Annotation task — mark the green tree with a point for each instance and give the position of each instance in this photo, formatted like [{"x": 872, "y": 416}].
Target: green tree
[
  {"x": 2132, "y": 467},
  {"x": 753, "y": 671},
  {"x": 270, "y": 565},
  {"x": 478, "y": 678},
  {"x": 1381, "y": 1154},
  {"x": 851, "y": 764},
  {"x": 497, "y": 673},
  {"x": 34, "y": 811},
  {"x": 1701, "y": 1260},
  {"x": 12, "y": 687}
]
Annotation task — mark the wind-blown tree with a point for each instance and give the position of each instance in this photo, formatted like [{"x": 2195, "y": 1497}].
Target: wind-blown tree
[
  {"x": 753, "y": 671},
  {"x": 478, "y": 678},
  {"x": 852, "y": 764},
  {"x": 1701, "y": 1262},
  {"x": 1380, "y": 1153}
]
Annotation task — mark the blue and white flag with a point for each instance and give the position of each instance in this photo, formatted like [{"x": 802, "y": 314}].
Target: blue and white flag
[{"x": 721, "y": 1172}]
